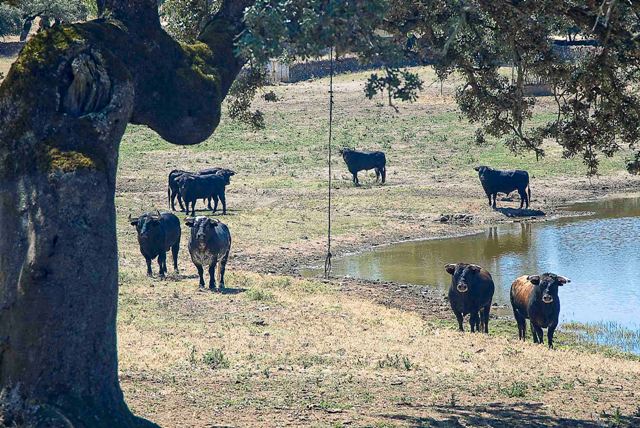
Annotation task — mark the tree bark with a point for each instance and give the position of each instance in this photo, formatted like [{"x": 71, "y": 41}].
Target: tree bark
[
  {"x": 64, "y": 107},
  {"x": 26, "y": 27}
]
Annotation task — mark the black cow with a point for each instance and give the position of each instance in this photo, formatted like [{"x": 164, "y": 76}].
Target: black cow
[
  {"x": 173, "y": 188},
  {"x": 535, "y": 297},
  {"x": 194, "y": 187},
  {"x": 495, "y": 181},
  {"x": 471, "y": 292},
  {"x": 209, "y": 245},
  {"x": 157, "y": 233},
  {"x": 227, "y": 173},
  {"x": 359, "y": 161}
]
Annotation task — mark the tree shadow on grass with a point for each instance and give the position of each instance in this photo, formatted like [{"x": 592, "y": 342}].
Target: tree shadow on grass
[
  {"x": 503, "y": 415},
  {"x": 520, "y": 212}
]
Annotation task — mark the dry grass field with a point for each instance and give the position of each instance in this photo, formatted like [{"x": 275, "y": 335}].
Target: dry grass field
[{"x": 280, "y": 350}]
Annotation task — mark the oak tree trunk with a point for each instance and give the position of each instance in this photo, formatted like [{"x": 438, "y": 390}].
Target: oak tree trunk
[{"x": 64, "y": 107}]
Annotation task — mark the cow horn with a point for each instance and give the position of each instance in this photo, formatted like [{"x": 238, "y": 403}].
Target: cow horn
[{"x": 158, "y": 212}]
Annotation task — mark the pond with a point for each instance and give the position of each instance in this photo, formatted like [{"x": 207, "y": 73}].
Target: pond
[{"x": 599, "y": 250}]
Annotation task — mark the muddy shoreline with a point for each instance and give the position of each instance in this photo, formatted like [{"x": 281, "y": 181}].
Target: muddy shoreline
[{"x": 428, "y": 301}]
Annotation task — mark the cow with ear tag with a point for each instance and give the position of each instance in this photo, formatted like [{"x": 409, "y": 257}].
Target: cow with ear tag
[
  {"x": 535, "y": 297},
  {"x": 209, "y": 246},
  {"x": 157, "y": 233},
  {"x": 471, "y": 293}
]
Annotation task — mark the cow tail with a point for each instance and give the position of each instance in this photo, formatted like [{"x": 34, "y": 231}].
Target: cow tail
[
  {"x": 529, "y": 192},
  {"x": 169, "y": 193},
  {"x": 384, "y": 174}
]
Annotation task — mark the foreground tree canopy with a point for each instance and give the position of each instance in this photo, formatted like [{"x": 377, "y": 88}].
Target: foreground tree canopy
[
  {"x": 68, "y": 98},
  {"x": 498, "y": 48}
]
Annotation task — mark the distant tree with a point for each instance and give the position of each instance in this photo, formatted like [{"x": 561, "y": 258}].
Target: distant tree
[
  {"x": 50, "y": 12},
  {"x": 596, "y": 92},
  {"x": 10, "y": 20}
]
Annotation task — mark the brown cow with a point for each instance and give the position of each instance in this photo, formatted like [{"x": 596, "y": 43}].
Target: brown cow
[{"x": 535, "y": 297}]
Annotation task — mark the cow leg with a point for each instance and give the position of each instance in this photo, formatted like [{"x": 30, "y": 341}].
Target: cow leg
[
  {"x": 540, "y": 334},
  {"x": 174, "y": 253},
  {"x": 212, "y": 274},
  {"x": 215, "y": 203},
  {"x": 149, "y": 271},
  {"x": 495, "y": 198},
  {"x": 201, "y": 275},
  {"x": 209, "y": 203},
  {"x": 377, "y": 175},
  {"x": 172, "y": 200},
  {"x": 223, "y": 199},
  {"x": 534, "y": 332},
  {"x": 460, "y": 318},
  {"x": 384, "y": 174},
  {"x": 522, "y": 325},
  {"x": 355, "y": 179},
  {"x": 489, "y": 196},
  {"x": 180, "y": 201},
  {"x": 223, "y": 267},
  {"x": 474, "y": 321},
  {"x": 485, "y": 317},
  {"x": 162, "y": 263},
  {"x": 193, "y": 207},
  {"x": 550, "y": 332},
  {"x": 523, "y": 197}
]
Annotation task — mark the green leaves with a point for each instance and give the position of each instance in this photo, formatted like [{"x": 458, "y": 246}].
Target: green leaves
[
  {"x": 10, "y": 20},
  {"x": 399, "y": 84},
  {"x": 593, "y": 81}
]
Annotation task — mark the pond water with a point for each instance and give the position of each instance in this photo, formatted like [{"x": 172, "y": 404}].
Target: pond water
[{"x": 598, "y": 250}]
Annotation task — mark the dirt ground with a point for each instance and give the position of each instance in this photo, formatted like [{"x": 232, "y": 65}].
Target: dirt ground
[{"x": 280, "y": 350}]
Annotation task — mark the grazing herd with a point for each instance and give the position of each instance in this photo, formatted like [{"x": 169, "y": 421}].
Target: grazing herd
[
  {"x": 210, "y": 240},
  {"x": 533, "y": 297}
]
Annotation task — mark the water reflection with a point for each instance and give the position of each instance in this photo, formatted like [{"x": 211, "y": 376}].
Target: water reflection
[{"x": 599, "y": 251}]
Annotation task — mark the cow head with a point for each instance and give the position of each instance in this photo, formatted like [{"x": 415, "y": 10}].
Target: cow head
[
  {"x": 226, "y": 174},
  {"x": 546, "y": 285},
  {"x": 482, "y": 169},
  {"x": 201, "y": 227},
  {"x": 344, "y": 150},
  {"x": 462, "y": 275},
  {"x": 147, "y": 225}
]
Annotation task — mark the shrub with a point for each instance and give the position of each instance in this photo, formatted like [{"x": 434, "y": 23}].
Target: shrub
[{"x": 216, "y": 359}]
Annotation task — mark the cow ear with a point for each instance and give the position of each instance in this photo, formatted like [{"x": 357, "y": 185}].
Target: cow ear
[
  {"x": 563, "y": 280},
  {"x": 475, "y": 268},
  {"x": 189, "y": 221},
  {"x": 534, "y": 279},
  {"x": 477, "y": 168},
  {"x": 134, "y": 222},
  {"x": 450, "y": 268}
]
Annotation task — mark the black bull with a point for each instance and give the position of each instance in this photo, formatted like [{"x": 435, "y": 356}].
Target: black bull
[
  {"x": 495, "y": 181},
  {"x": 359, "y": 161}
]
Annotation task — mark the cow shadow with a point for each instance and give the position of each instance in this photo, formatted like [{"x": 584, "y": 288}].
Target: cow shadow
[
  {"x": 232, "y": 291},
  {"x": 520, "y": 212},
  {"x": 499, "y": 415}
]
